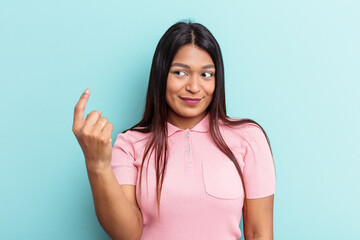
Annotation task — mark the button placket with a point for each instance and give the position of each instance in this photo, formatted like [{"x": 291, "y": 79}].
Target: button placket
[{"x": 187, "y": 149}]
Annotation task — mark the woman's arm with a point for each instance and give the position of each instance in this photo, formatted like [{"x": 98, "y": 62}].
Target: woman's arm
[
  {"x": 258, "y": 218},
  {"x": 115, "y": 205}
]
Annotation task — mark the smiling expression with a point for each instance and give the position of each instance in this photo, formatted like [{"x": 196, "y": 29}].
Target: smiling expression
[{"x": 190, "y": 86}]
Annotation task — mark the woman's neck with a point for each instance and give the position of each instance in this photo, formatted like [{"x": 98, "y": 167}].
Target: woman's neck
[{"x": 184, "y": 122}]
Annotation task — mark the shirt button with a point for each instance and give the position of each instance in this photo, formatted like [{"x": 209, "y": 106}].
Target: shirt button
[
  {"x": 187, "y": 135},
  {"x": 188, "y": 164},
  {"x": 187, "y": 149}
]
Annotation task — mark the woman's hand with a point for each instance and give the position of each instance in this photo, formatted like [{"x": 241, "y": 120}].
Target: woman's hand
[{"x": 93, "y": 135}]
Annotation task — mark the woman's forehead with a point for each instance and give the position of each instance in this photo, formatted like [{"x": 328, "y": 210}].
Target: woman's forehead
[{"x": 191, "y": 55}]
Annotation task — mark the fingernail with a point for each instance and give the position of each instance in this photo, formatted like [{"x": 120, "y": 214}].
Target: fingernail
[
  {"x": 87, "y": 91},
  {"x": 99, "y": 112}
]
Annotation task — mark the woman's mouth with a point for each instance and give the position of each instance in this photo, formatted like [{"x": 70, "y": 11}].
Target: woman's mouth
[{"x": 191, "y": 101}]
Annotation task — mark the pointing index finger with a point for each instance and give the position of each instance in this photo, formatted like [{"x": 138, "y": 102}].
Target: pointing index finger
[{"x": 80, "y": 107}]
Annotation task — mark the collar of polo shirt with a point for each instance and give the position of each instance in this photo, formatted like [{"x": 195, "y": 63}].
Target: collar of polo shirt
[{"x": 202, "y": 126}]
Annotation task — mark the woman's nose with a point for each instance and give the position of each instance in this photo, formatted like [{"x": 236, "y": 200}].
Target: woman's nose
[{"x": 193, "y": 85}]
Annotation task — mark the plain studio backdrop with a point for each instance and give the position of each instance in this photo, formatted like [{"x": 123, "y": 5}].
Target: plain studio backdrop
[{"x": 292, "y": 66}]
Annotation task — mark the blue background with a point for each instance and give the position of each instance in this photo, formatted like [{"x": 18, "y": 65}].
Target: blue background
[{"x": 292, "y": 66}]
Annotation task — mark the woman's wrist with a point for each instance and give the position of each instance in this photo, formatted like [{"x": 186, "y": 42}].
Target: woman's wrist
[{"x": 98, "y": 167}]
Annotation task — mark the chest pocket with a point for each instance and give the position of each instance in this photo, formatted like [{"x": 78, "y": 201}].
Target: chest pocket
[{"x": 221, "y": 179}]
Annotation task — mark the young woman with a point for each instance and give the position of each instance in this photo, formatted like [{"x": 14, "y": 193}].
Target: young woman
[{"x": 202, "y": 169}]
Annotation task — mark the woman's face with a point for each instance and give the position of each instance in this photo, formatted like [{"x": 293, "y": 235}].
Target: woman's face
[{"x": 190, "y": 84}]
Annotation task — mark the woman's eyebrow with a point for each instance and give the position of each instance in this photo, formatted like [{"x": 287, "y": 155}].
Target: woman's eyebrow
[
  {"x": 180, "y": 65},
  {"x": 208, "y": 66},
  {"x": 188, "y": 67}
]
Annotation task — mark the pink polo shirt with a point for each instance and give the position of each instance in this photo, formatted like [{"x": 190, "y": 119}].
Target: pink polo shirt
[{"x": 202, "y": 195}]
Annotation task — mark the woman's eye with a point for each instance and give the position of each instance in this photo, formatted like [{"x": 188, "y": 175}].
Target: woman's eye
[
  {"x": 180, "y": 73},
  {"x": 207, "y": 74}
]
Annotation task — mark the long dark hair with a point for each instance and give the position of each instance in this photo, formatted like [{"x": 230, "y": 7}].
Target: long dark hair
[{"x": 154, "y": 120}]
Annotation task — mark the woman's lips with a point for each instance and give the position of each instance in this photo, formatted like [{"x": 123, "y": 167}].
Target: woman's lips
[{"x": 191, "y": 101}]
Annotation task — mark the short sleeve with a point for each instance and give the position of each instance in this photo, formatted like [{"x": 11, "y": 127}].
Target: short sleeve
[
  {"x": 122, "y": 160},
  {"x": 259, "y": 170}
]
